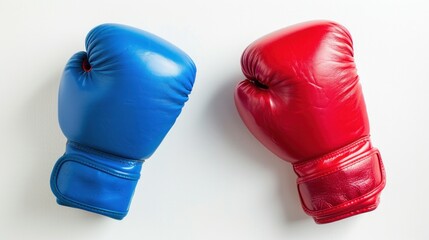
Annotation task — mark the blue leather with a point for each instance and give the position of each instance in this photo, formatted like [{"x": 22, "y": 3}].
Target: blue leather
[{"x": 116, "y": 103}]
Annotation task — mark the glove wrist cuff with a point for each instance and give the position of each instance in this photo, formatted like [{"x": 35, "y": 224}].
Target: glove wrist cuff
[
  {"x": 343, "y": 183},
  {"x": 94, "y": 181}
]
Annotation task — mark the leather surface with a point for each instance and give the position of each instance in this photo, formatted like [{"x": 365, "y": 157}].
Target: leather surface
[
  {"x": 342, "y": 183},
  {"x": 116, "y": 103},
  {"x": 302, "y": 99}
]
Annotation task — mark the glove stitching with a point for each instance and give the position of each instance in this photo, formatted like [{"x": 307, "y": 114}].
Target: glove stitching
[
  {"x": 87, "y": 207},
  {"x": 104, "y": 154},
  {"x": 101, "y": 168},
  {"x": 345, "y": 215},
  {"x": 348, "y": 165},
  {"x": 333, "y": 154}
]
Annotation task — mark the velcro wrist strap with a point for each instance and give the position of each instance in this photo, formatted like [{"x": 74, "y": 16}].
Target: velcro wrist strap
[
  {"x": 343, "y": 183},
  {"x": 100, "y": 183}
]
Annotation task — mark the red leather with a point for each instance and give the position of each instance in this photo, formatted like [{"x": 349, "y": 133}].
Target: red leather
[{"x": 302, "y": 99}]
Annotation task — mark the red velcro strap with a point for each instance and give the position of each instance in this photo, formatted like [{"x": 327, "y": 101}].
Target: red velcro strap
[{"x": 343, "y": 183}]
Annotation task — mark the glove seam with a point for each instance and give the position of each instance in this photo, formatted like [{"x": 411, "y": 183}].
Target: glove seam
[
  {"x": 336, "y": 169},
  {"x": 101, "y": 153},
  {"x": 100, "y": 167},
  {"x": 345, "y": 215},
  {"x": 333, "y": 154},
  {"x": 87, "y": 207}
]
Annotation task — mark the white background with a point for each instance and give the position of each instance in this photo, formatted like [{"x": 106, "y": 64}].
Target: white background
[{"x": 210, "y": 179}]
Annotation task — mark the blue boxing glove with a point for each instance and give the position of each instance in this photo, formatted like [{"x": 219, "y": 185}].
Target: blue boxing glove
[{"x": 116, "y": 103}]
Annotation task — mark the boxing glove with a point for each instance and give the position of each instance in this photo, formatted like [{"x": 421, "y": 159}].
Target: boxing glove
[
  {"x": 116, "y": 103},
  {"x": 303, "y": 101}
]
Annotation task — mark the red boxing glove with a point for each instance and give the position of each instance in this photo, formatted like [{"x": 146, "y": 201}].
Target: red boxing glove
[{"x": 302, "y": 99}]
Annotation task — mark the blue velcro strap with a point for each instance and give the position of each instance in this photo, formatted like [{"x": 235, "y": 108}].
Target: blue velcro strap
[{"x": 94, "y": 181}]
